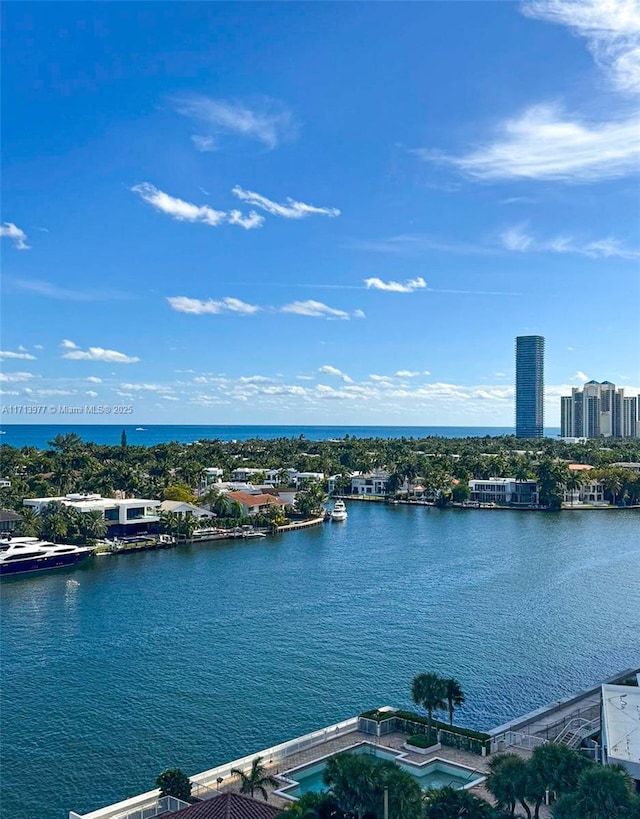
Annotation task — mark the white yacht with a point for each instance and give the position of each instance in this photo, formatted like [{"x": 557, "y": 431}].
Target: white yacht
[
  {"x": 339, "y": 511},
  {"x": 30, "y": 554}
]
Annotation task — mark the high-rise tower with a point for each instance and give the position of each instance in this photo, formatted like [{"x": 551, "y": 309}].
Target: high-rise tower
[{"x": 529, "y": 387}]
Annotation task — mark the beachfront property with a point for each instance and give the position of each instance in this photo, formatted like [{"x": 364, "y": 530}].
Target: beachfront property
[
  {"x": 123, "y": 516},
  {"x": 599, "y": 409},
  {"x": 505, "y": 491},
  {"x": 621, "y": 727},
  {"x": 590, "y": 492},
  {"x": 255, "y": 504}
]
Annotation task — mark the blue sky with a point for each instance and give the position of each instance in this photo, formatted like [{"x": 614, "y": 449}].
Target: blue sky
[{"x": 317, "y": 212}]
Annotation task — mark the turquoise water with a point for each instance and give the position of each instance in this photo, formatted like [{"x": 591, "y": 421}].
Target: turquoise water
[
  {"x": 38, "y": 435},
  {"x": 434, "y": 774},
  {"x": 194, "y": 656}
]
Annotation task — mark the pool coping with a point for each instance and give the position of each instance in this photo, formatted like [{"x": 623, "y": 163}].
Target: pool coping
[{"x": 399, "y": 756}]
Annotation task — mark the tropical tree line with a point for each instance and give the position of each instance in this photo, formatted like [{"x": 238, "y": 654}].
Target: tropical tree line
[
  {"x": 435, "y": 693},
  {"x": 70, "y": 464},
  {"x": 59, "y": 523}
]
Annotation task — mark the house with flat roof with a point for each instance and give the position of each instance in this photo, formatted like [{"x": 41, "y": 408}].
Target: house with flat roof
[
  {"x": 123, "y": 516},
  {"x": 621, "y": 727},
  {"x": 504, "y": 491},
  {"x": 370, "y": 483}
]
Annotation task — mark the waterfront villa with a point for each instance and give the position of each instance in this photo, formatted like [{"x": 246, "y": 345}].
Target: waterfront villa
[
  {"x": 185, "y": 510},
  {"x": 254, "y": 504},
  {"x": 123, "y": 516},
  {"x": 370, "y": 483},
  {"x": 504, "y": 490}
]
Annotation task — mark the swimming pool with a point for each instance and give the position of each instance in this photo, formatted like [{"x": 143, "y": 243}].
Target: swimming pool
[{"x": 434, "y": 773}]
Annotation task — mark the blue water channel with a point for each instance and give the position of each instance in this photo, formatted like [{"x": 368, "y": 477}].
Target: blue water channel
[{"x": 194, "y": 656}]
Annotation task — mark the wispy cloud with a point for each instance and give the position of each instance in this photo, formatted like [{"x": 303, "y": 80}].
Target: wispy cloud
[
  {"x": 518, "y": 238},
  {"x": 545, "y": 142},
  {"x": 327, "y": 369},
  {"x": 408, "y": 286},
  {"x": 54, "y": 291},
  {"x": 316, "y": 309},
  {"x": 94, "y": 379},
  {"x": 188, "y": 212},
  {"x": 580, "y": 376},
  {"x": 198, "y": 307},
  {"x": 264, "y": 120},
  {"x": 416, "y": 244},
  {"x": 145, "y": 387},
  {"x": 18, "y": 376},
  {"x": 291, "y": 210},
  {"x": 408, "y": 373},
  {"x": 10, "y": 231},
  {"x": 611, "y": 29},
  {"x": 74, "y": 353},
  {"x": 9, "y": 354}
]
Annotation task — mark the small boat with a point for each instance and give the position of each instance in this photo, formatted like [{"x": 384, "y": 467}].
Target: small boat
[
  {"x": 23, "y": 555},
  {"x": 339, "y": 511},
  {"x": 141, "y": 429}
]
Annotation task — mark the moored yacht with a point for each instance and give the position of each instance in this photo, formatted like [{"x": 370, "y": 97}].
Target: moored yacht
[
  {"x": 339, "y": 511},
  {"x": 29, "y": 554}
]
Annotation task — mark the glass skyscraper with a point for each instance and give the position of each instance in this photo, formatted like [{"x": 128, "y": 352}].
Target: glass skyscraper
[{"x": 529, "y": 386}]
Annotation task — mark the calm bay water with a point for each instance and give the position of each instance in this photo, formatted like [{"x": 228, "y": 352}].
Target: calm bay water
[
  {"x": 38, "y": 435},
  {"x": 194, "y": 656}
]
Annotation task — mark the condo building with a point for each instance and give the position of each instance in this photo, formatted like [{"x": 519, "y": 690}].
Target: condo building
[
  {"x": 529, "y": 387},
  {"x": 599, "y": 410}
]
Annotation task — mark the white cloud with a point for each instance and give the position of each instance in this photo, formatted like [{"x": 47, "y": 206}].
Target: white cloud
[
  {"x": 53, "y": 392},
  {"x": 544, "y": 142},
  {"x": 38, "y": 347},
  {"x": 396, "y": 287},
  {"x": 204, "y": 143},
  {"x": 198, "y": 307},
  {"x": 291, "y": 210},
  {"x": 579, "y": 376},
  {"x": 516, "y": 238},
  {"x": 178, "y": 208},
  {"x": 94, "y": 379},
  {"x": 95, "y": 354},
  {"x": 145, "y": 388},
  {"x": 91, "y": 393},
  {"x": 316, "y": 309},
  {"x": 18, "y": 376},
  {"x": 266, "y": 120},
  {"x": 407, "y": 373},
  {"x": 611, "y": 29},
  {"x": 8, "y": 354},
  {"x": 252, "y": 220},
  {"x": 327, "y": 369},
  {"x": 10, "y": 231},
  {"x": 169, "y": 398}
]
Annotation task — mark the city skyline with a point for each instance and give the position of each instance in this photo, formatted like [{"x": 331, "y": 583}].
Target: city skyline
[{"x": 233, "y": 220}]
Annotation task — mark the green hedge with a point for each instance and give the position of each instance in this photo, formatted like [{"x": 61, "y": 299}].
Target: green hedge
[
  {"x": 378, "y": 716},
  {"x": 444, "y": 726},
  {"x": 422, "y": 740},
  {"x": 465, "y": 739}
]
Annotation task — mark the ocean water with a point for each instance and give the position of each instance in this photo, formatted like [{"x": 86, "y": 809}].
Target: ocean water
[
  {"x": 198, "y": 655},
  {"x": 38, "y": 435}
]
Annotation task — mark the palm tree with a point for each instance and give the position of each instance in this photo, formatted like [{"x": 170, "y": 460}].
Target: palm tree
[
  {"x": 454, "y": 696},
  {"x": 93, "y": 525},
  {"x": 351, "y": 780},
  {"x": 258, "y": 779},
  {"x": 428, "y": 690},
  {"x": 508, "y": 781},
  {"x": 603, "y": 792},
  {"x": 573, "y": 482}
]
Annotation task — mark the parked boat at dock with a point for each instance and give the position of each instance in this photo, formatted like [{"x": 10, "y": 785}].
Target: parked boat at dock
[
  {"x": 339, "y": 511},
  {"x": 24, "y": 555}
]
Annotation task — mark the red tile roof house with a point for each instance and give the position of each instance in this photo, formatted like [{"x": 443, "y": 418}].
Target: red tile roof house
[
  {"x": 227, "y": 806},
  {"x": 254, "y": 504}
]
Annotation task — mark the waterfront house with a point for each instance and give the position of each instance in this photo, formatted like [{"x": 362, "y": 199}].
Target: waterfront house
[
  {"x": 123, "y": 516},
  {"x": 8, "y": 520},
  {"x": 245, "y": 473},
  {"x": 505, "y": 491},
  {"x": 185, "y": 510},
  {"x": 254, "y": 504},
  {"x": 370, "y": 483},
  {"x": 210, "y": 476},
  {"x": 300, "y": 478},
  {"x": 590, "y": 492}
]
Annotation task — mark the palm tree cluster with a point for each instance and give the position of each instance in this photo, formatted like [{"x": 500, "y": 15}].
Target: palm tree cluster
[
  {"x": 580, "y": 788},
  {"x": 435, "y": 693},
  {"x": 257, "y": 778},
  {"x": 59, "y": 523},
  {"x": 358, "y": 783}
]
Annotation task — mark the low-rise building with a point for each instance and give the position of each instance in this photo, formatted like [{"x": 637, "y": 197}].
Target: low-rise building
[
  {"x": 245, "y": 473},
  {"x": 255, "y": 504},
  {"x": 621, "y": 727},
  {"x": 370, "y": 483},
  {"x": 8, "y": 520},
  {"x": 634, "y": 466},
  {"x": 184, "y": 509},
  {"x": 123, "y": 516},
  {"x": 508, "y": 491},
  {"x": 5, "y": 483},
  {"x": 210, "y": 476}
]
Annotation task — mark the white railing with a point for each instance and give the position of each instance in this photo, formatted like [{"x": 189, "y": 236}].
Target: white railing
[
  {"x": 163, "y": 805},
  {"x": 517, "y": 739},
  {"x": 576, "y": 730}
]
